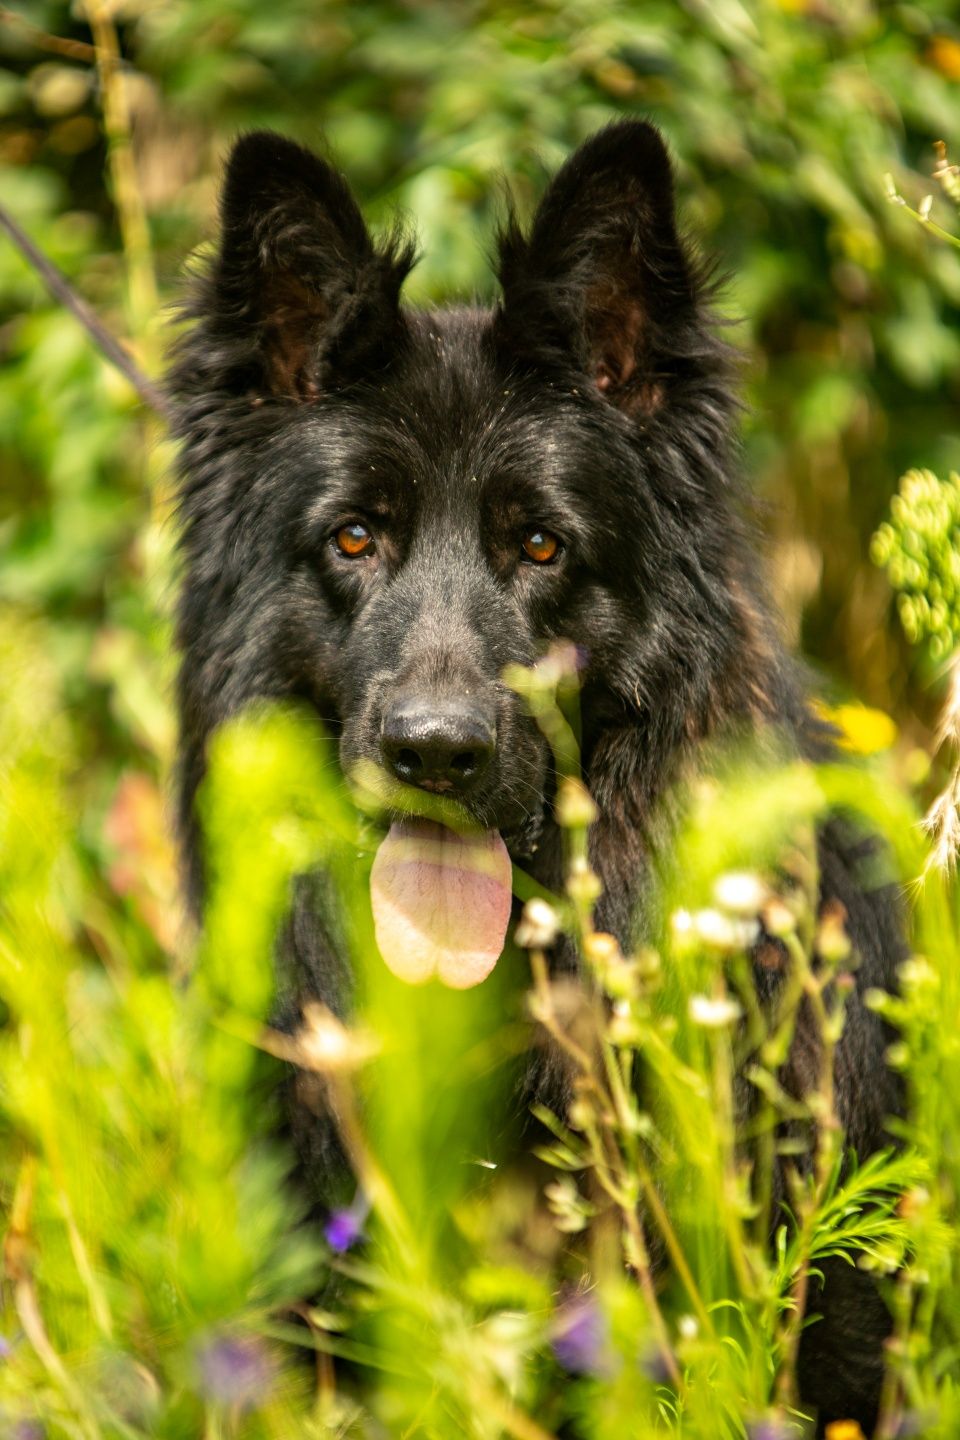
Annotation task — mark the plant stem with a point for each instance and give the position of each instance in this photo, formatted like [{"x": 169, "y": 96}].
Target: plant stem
[{"x": 131, "y": 214}]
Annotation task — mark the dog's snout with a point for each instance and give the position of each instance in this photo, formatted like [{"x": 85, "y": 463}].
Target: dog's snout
[{"x": 442, "y": 746}]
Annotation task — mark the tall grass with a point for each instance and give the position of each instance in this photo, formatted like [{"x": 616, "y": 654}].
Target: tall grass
[{"x": 161, "y": 1278}]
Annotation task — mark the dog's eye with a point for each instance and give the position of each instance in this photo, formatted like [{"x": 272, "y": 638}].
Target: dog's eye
[
  {"x": 353, "y": 541},
  {"x": 540, "y": 546}
]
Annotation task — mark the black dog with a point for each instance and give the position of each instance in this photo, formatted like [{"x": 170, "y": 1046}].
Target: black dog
[{"x": 383, "y": 508}]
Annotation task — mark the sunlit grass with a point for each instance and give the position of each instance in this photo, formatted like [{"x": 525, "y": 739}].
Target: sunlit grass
[{"x": 160, "y": 1279}]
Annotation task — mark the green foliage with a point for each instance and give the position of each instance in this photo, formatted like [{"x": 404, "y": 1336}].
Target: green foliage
[
  {"x": 919, "y": 546},
  {"x": 158, "y": 1279},
  {"x": 159, "y": 1275},
  {"x": 148, "y": 1220},
  {"x": 784, "y": 119}
]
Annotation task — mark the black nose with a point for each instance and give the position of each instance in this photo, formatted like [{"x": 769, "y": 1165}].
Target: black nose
[{"x": 438, "y": 745}]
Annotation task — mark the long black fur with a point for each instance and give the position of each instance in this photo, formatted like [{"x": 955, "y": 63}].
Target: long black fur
[{"x": 595, "y": 400}]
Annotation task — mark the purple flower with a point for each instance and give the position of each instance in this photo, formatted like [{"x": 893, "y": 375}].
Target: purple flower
[
  {"x": 28, "y": 1430},
  {"x": 771, "y": 1428},
  {"x": 580, "y": 1337},
  {"x": 235, "y": 1370},
  {"x": 6, "y": 1347},
  {"x": 912, "y": 1423},
  {"x": 343, "y": 1228}
]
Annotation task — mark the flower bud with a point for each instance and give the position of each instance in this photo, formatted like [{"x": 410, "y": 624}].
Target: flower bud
[
  {"x": 538, "y": 926},
  {"x": 574, "y": 804},
  {"x": 583, "y": 884},
  {"x": 777, "y": 918},
  {"x": 833, "y": 942}
]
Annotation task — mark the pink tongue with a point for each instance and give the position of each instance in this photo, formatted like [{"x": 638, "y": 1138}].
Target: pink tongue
[{"x": 441, "y": 902}]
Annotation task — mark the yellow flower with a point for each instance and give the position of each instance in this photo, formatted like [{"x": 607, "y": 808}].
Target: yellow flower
[
  {"x": 862, "y": 730},
  {"x": 844, "y": 1430},
  {"x": 943, "y": 54}
]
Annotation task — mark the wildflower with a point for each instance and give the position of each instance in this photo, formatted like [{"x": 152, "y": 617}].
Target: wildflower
[
  {"x": 681, "y": 923},
  {"x": 912, "y": 1424},
  {"x": 844, "y": 1430},
  {"x": 328, "y": 1046},
  {"x": 570, "y": 1210},
  {"x": 833, "y": 942},
  {"x": 778, "y": 919},
  {"x": 574, "y": 805},
  {"x": 342, "y": 1230},
  {"x": 646, "y": 963},
  {"x": 236, "y": 1370},
  {"x": 580, "y": 1337},
  {"x": 618, "y": 976},
  {"x": 624, "y": 1028},
  {"x": 862, "y": 730},
  {"x": 724, "y": 932},
  {"x": 918, "y": 971},
  {"x": 913, "y": 1202},
  {"x": 688, "y": 1327},
  {"x": 583, "y": 884},
  {"x": 946, "y": 173},
  {"x": 538, "y": 927},
  {"x": 344, "y": 1227},
  {"x": 682, "y": 932},
  {"x": 601, "y": 948},
  {"x": 740, "y": 893},
  {"x": 580, "y": 1115},
  {"x": 713, "y": 1012},
  {"x": 28, "y": 1430},
  {"x": 560, "y": 663},
  {"x": 772, "y": 1427}
]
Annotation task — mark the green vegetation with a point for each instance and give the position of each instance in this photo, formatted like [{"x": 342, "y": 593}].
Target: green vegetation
[
  {"x": 919, "y": 548},
  {"x": 157, "y": 1281}
]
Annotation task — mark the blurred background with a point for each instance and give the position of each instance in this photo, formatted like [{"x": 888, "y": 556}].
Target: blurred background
[{"x": 785, "y": 117}]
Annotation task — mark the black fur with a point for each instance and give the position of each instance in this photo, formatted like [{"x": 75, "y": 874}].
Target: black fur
[{"x": 594, "y": 400}]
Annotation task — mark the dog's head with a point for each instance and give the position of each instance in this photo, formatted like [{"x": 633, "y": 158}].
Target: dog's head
[{"x": 384, "y": 508}]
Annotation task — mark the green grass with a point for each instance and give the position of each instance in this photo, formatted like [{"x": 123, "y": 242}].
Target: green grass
[{"x": 159, "y": 1278}]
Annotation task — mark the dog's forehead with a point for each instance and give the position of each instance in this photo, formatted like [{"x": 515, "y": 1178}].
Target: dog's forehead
[
  {"x": 449, "y": 372},
  {"x": 459, "y": 401},
  {"x": 450, "y": 422},
  {"x": 456, "y": 334}
]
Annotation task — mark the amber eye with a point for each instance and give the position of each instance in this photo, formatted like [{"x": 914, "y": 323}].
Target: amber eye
[
  {"x": 354, "y": 541},
  {"x": 540, "y": 546}
]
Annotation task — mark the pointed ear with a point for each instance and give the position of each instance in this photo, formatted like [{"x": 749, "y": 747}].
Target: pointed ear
[
  {"x": 603, "y": 280},
  {"x": 299, "y": 292}
]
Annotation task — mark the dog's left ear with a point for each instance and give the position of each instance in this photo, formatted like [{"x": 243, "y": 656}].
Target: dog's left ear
[{"x": 603, "y": 279}]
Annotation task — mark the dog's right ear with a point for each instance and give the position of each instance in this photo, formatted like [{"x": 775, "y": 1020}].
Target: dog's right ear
[{"x": 301, "y": 295}]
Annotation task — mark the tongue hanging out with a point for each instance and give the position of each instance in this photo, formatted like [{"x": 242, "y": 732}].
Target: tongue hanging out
[{"x": 441, "y": 902}]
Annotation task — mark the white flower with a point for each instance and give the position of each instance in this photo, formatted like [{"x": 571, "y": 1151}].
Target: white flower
[
  {"x": 327, "y": 1046},
  {"x": 712, "y": 1013},
  {"x": 688, "y": 1327},
  {"x": 681, "y": 923},
  {"x": 538, "y": 926},
  {"x": 724, "y": 932},
  {"x": 740, "y": 893}
]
